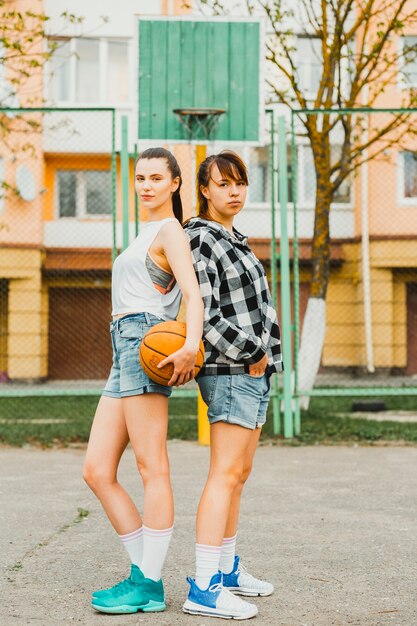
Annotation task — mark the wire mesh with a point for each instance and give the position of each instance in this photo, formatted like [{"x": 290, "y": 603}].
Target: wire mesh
[
  {"x": 370, "y": 332},
  {"x": 56, "y": 242}
]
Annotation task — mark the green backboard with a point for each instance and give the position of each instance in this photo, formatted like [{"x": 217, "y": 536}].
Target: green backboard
[{"x": 204, "y": 63}]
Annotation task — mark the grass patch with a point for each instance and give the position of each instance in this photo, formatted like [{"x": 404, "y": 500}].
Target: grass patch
[
  {"x": 65, "y": 420},
  {"x": 323, "y": 423}
]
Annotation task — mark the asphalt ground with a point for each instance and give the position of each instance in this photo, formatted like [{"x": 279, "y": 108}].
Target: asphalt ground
[{"x": 334, "y": 528}]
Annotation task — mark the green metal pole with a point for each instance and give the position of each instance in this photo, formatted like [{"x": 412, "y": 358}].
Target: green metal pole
[
  {"x": 285, "y": 277},
  {"x": 136, "y": 195},
  {"x": 113, "y": 184},
  {"x": 124, "y": 163},
  {"x": 275, "y": 390},
  {"x": 296, "y": 280}
]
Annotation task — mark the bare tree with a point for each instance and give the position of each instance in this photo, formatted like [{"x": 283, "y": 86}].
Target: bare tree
[{"x": 360, "y": 57}]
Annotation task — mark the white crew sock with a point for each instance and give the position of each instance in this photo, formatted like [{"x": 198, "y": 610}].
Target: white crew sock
[
  {"x": 227, "y": 556},
  {"x": 206, "y": 563},
  {"x": 133, "y": 542},
  {"x": 155, "y": 548}
]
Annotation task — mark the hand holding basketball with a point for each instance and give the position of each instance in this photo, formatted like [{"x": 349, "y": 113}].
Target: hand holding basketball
[{"x": 164, "y": 357}]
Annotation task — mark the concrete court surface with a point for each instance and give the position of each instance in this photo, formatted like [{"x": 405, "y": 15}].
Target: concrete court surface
[{"x": 334, "y": 528}]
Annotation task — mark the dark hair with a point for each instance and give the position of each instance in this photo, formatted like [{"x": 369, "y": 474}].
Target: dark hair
[
  {"x": 230, "y": 166},
  {"x": 174, "y": 168}
]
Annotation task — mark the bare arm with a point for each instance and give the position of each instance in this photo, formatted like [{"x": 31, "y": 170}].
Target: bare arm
[{"x": 177, "y": 250}]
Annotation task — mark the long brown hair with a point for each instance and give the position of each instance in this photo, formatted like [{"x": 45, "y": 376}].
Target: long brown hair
[
  {"x": 230, "y": 166},
  {"x": 174, "y": 168}
]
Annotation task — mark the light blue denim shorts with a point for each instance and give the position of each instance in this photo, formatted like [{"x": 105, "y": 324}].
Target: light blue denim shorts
[
  {"x": 127, "y": 377},
  {"x": 236, "y": 398}
]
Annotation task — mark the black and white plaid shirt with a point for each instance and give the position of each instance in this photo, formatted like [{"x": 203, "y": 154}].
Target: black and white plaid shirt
[{"x": 240, "y": 322}]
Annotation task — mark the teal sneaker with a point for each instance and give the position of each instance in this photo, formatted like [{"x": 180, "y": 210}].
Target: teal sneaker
[
  {"x": 134, "y": 594},
  {"x": 135, "y": 574}
]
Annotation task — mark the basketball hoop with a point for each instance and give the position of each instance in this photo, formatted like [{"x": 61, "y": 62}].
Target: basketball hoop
[{"x": 199, "y": 122}]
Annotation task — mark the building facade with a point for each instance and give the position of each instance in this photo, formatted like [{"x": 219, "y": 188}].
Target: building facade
[{"x": 59, "y": 195}]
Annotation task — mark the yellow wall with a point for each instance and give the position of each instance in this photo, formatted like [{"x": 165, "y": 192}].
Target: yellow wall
[
  {"x": 345, "y": 335},
  {"x": 27, "y": 313}
]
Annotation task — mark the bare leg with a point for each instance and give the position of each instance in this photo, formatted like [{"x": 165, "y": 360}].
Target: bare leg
[
  {"x": 228, "y": 448},
  {"x": 233, "y": 518},
  {"x": 147, "y": 425},
  {"x": 108, "y": 440}
]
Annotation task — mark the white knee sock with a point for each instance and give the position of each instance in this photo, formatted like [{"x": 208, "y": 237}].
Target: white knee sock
[
  {"x": 133, "y": 542},
  {"x": 227, "y": 556},
  {"x": 206, "y": 563},
  {"x": 155, "y": 548}
]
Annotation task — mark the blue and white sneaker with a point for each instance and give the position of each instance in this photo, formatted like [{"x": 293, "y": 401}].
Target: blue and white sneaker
[
  {"x": 215, "y": 601},
  {"x": 244, "y": 584}
]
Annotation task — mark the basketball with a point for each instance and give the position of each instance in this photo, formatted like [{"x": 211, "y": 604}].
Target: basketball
[{"x": 161, "y": 341}]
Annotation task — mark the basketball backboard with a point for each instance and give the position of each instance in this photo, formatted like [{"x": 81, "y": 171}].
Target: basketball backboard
[{"x": 199, "y": 63}]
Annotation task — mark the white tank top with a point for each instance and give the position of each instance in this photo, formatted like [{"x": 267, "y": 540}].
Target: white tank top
[{"x": 139, "y": 285}]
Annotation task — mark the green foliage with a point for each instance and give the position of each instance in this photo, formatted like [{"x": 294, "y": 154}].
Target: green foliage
[{"x": 22, "y": 35}]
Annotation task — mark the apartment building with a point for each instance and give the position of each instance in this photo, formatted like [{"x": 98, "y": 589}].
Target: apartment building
[{"x": 57, "y": 234}]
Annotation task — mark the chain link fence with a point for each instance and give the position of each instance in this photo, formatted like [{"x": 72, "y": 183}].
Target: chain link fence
[
  {"x": 57, "y": 234},
  {"x": 61, "y": 221},
  {"x": 370, "y": 338},
  {"x": 67, "y": 209}
]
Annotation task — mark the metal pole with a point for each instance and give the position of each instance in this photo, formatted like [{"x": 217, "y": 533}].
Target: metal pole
[
  {"x": 285, "y": 277},
  {"x": 136, "y": 195},
  {"x": 296, "y": 280},
  {"x": 274, "y": 288},
  {"x": 113, "y": 184},
  {"x": 203, "y": 425},
  {"x": 124, "y": 164}
]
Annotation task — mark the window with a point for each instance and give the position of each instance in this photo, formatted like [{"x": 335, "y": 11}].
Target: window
[
  {"x": 307, "y": 178},
  {"x": 60, "y": 71},
  {"x": 409, "y": 61},
  {"x": 117, "y": 72},
  {"x": 83, "y": 193},
  {"x": 409, "y": 176},
  {"x": 90, "y": 71},
  {"x": 259, "y": 175},
  {"x": 309, "y": 64}
]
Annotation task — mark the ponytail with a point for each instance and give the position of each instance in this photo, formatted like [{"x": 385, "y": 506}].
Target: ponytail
[{"x": 177, "y": 204}]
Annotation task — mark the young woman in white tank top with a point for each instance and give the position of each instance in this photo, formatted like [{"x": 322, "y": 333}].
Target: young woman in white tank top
[{"x": 147, "y": 282}]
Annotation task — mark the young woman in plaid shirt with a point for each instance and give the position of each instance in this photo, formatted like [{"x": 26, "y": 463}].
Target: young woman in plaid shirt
[{"x": 242, "y": 342}]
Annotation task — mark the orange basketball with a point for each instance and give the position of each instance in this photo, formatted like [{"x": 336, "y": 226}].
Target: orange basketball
[{"x": 161, "y": 341}]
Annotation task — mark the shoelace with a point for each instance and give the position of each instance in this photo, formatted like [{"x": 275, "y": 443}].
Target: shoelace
[
  {"x": 229, "y": 600},
  {"x": 114, "y": 589},
  {"x": 123, "y": 587},
  {"x": 247, "y": 577}
]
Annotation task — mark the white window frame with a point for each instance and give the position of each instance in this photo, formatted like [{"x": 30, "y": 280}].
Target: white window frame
[
  {"x": 103, "y": 59},
  {"x": 402, "y": 83},
  {"x": 310, "y": 95},
  {"x": 402, "y": 200},
  {"x": 309, "y": 203},
  {"x": 80, "y": 199}
]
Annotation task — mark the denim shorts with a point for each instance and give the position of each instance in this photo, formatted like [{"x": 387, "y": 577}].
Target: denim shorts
[
  {"x": 127, "y": 377},
  {"x": 236, "y": 398}
]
